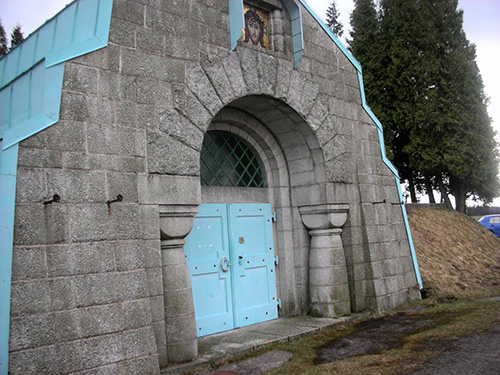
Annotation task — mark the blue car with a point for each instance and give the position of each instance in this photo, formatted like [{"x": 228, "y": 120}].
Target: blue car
[{"x": 492, "y": 223}]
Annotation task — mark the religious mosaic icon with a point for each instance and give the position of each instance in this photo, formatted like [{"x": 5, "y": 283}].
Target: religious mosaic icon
[{"x": 256, "y": 27}]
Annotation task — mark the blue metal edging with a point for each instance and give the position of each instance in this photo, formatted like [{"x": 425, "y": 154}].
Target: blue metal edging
[
  {"x": 8, "y": 171},
  {"x": 297, "y": 33},
  {"x": 31, "y": 78},
  {"x": 236, "y": 21},
  {"x": 356, "y": 65}
]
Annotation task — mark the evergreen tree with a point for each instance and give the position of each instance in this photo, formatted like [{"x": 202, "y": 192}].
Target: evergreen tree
[
  {"x": 3, "y": 41},
  {"x": 422, "y": 81},
  {"x": 16, "y": 37},
  {"x": 332, "y": 19}
]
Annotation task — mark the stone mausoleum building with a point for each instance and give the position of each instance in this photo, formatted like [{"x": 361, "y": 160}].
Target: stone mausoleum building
[{"x": 172, "y": 169}]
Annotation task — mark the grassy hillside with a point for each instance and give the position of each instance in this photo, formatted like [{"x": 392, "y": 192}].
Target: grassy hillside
[{"x": 457, "y": 257}]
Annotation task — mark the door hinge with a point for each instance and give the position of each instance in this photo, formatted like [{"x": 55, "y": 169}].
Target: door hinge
[
  {"x": 276, "y": 260},
  {"x": 274, "y": 216},
  {"x": 279, "y": 303}
]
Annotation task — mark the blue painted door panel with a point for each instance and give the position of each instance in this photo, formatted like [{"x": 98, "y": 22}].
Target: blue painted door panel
[
  {"x": 230, "y": 258},
  {"x": 253, "y": 263},
  {"x": 205, "y": 247}
]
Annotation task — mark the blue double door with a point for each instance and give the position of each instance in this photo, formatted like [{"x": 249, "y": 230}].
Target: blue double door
[{"x": 230, "y": 258}]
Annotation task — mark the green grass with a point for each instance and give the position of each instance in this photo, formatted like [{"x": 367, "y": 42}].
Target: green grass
[{"x": 459, "y": 319}]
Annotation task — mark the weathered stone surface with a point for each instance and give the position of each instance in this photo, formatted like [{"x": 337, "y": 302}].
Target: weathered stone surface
[
  {"x": 132, "y": 121},
  {"x": 79, "y": 259}
]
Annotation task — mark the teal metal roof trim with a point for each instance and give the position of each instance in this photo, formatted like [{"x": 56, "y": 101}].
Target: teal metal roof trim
[
  {"x": 297, "y": 34},
  {"x": 236, "y": 21},
  {"x": 30, "y": 103},
  {"x": 81, "y": 27},
  {"x": 31, "y": 78},
  {"x": 387, "y": 162}
]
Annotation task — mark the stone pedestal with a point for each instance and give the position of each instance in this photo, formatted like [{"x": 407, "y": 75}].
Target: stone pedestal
[
  {"x": 180, "y": 324},
  {"x": 328, "y": 283}
]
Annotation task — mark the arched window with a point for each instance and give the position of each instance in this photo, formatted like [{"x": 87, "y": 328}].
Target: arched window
[{"x": 228, "y": 160}]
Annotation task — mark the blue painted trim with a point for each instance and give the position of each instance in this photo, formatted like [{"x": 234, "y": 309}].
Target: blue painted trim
[
  {"x": 297, "y": 33},
  {"x": 379, "y": 131},
  {"x": 52, "y": 88},
  {"x": 30, "y": 99},
  {"x": 408, "y": 231},
  {"x": 236, "y": 21},
  {"x": 332, "y": 36},
  {"x": 8, "y": 171}
]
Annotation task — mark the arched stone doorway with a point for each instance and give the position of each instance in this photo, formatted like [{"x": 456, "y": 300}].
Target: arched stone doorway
[{"x": 293, "y": 166}]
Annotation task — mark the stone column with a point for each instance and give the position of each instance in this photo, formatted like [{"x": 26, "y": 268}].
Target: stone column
[
  {"x": 176, "y": 221},
  {"x": 328, "y": 283}
]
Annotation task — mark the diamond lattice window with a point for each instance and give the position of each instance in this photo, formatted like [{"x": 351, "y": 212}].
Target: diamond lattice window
[{"x": 228, "y": 160}]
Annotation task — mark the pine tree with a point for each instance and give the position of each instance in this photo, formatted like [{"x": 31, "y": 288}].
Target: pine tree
[
  {"x": 332, "y": 19},
  {"x": 16, "y": 37},
  {"x": 422, "y": 82},
  {"x": 3, "y": 41}
]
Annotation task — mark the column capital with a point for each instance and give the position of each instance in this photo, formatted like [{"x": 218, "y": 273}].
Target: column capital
[
  {"x": 324, "y": 216},
  {"x": 176, "y": 221}
]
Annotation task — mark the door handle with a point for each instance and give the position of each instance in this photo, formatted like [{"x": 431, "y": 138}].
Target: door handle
[{"x": 225, "y": 264}]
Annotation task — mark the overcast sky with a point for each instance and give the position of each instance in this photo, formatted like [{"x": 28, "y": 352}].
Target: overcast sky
[{"x": 481, "y": 24}]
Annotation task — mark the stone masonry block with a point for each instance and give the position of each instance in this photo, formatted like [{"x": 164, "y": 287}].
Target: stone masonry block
[
  {"x": 116, "y": 140},
  {"x": 157, "y": 308},
  {"x": 32, "y": 362},
  {"x": 110, "y": 287},
  {"x": 131, "y": 255},
  {"x": 102, "y": 350},
  {"x": 88, "y": 322},
  {"x": 113, "y": 85},
  {"x": 77, "y": 160},
  {"x": 64, "y": 136},
  {"x": 39, "y": 158},
  {"x": 159, "y": 328},
  {"x": 140, "y": 342},
  {"x": 129, "y": 11},
  {"x": 76, "y": 186},
  {"x": 234, "y": 73},
  {"x": 176, "y": 125},
  {"x": 150, "y": 40},
  {"x": 150, "y": 222},
  {"x": 80, "y": 259},
  {"x": 105, "y": 58},
  {"x": 153, "y": 91},
  {"x": 31, "y": 331},
  {"x": 214, "y": 69},
  {"x": 91, "y": 222},
  {"x": 202, "y": 88},
  {"x": 166, "y": 155},
  {"x": 186, "y": 48},
  {"x": 156, "y": 189},
  {"x": 36, "y": 224},
  {"x": 78, "y": 78},
  {"x": 147, "y": 365},
  {"x": 160, "y": 21},
  {"x": 35, "y": 297},
  {"x": 248, "y": 63},
  {"x": 144, "y": 64},
  {"x": 137, "y": 313},
  {"x": 30, "y": 185},
  {"x": 28, "y": 263},
  {"x": 123, "y": 33},
  {"x": 124, "y": 184},
  {"x": 74, "y": 107}
]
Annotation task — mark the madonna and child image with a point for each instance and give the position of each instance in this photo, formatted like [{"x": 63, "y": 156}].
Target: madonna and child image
[{"x": 256, "y": 23}]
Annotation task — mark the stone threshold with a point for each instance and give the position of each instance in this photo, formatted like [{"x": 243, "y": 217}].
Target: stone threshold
[{"x": 224, "y": 345}]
